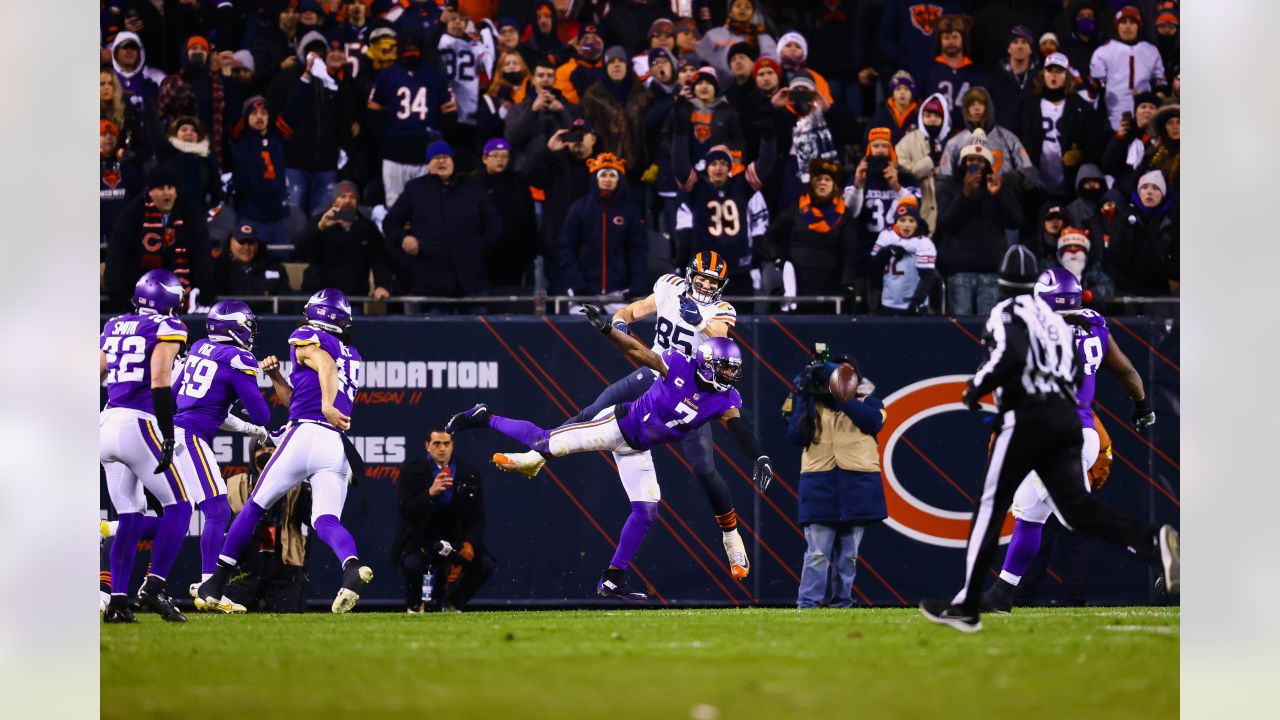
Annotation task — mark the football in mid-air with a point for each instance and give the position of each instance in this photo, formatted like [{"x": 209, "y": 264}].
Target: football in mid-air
[{"x": 843, "y": 382}]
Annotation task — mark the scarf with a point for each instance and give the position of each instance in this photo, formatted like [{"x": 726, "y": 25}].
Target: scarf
[
  {"x": 821, "y": 218},
  {"x": 900, "y": 118},
  {"x": 216, "y": 112},
  {"x": 164, "y": 226},
  {"x": 749, "y": 31}
]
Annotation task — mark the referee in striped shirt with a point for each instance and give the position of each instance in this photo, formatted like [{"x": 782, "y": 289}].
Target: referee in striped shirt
[{"x": 1031, "y": 366}]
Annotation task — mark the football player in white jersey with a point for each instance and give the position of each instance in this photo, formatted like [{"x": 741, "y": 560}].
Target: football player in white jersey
[
  {"x": 689, "y": 311},
  {"x": 464, "y": 57}
]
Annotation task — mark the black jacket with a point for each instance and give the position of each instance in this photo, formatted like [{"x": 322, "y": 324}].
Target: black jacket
[
  {"x": 1081, "y": 127},
  {"x": 564, "y": 178},
  {"x": 455, "y": 224},
  {"x": 970, "y": 235},
  {"x": 143, "y": 239},
  {"x": 314, "y": 121},
  {"x": 342, "y": 259},
  {"x": 425, "y": 519},
  {"x": 527, "y": 129},
  {"x": 513, "y": 253},
  {"x": 1143, "y": 254},
  {"x": 263, "y": 276}
]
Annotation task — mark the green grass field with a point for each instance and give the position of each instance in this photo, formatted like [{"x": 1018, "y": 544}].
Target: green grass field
[{"x": 749, "y": 663}]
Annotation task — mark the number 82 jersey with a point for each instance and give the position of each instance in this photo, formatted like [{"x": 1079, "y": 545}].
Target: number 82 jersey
[{"x": 681, "y": 322}]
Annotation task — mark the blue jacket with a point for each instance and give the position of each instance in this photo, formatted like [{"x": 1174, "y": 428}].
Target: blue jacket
[
  {"x": 839, "y": 495},
  {"x": 603, "y": 245}
]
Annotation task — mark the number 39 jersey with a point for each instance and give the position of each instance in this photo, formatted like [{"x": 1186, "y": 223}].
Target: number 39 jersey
[
  {"x": 673, "y": 406},
  {"x": 305, "y": 404},
  {"x": 209, "y": 381},
  {"x": 681, "y": 322},
  {"x": 725, "y": 219},
  {"x": 1091, "y": 346},
  {"x": 128, "y": 341}
]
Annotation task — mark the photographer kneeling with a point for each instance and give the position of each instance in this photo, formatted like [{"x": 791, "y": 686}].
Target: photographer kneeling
[
  {"x": 441, "y": 527},
  {"x": 840, "y": 486}
]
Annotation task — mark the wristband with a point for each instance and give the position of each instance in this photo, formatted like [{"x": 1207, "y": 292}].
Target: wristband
[{"x": 622, "y": 327}]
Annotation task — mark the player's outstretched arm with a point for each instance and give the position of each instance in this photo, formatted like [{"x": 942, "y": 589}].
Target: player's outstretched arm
[
  {"x": 1118, "y": 364},
  {"x": 762, "y": 472},
  {"x": 638, "y": 310},
  {"x": 314, "y": 357},
  {"x": 626, "y": 345}
]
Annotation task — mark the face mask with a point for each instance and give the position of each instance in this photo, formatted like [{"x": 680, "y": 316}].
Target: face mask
[
  {"x": 1091, "y": 196},
  {"x": 1074, "y": 260},
  {"x": 513, "y": 77},
  {"x": 1085, "y": 26},
  {"x": 1054, "y": 94},
  {"x": 932, "y": 130}
]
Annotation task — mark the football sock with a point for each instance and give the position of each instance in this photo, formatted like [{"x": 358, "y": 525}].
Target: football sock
[
  {"x": 728, "y": 521},
  {"x": 643, "y": 515},
  {"x": 241, "y": 531},
  {"x": 123, "y": 551},
  {"x": 149, "y": 525},
  {"x": 1022, "y": 550},
  {"x": 217, "y": 516},
  {"x": 169, "y": 537},
  {"x": 335, "y": 536},
  {"x": 522, "y": 431}
]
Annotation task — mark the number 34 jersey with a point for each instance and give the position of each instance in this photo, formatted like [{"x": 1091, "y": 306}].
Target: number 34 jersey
[
  {"x": 681, "y": 322},
  {"x": 673, "y": 406},
  {"x": 128, "y": 341},
  {"x": 211, "y": 378},
  {"x": 306, "y": 401},
  {"x": 1091, "y": 346}
]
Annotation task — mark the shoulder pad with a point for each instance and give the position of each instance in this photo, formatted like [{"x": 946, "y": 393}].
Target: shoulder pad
[{"x": 244, "y": 362}]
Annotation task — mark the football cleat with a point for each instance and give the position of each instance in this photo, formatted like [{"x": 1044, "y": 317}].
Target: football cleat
[
  {"x": 616, "y": 587},
  {"x": 225, "y": 605},
  {"x": 118, "y": 614},
  {"x": 941, "y": 612},
  {"x": 476, "y": 417},
  {"x": 999, "y": 598},
  {"x": 528, "y": 464},
  {"x": 739, "y": 566},
  {"x": 152, "y": 595},
  {"x": 354, "y": 578},
  {"x": 1170, "y": 558}
]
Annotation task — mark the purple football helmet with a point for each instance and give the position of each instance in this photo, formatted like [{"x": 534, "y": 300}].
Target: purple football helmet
[
  {"x": 718, "y": 362},
  {"x": 232, "y": 322},
  {"x": 158, "y": 291},
  {"x": 1059, "y": 287},
  {"x": 329, "y": 310}
]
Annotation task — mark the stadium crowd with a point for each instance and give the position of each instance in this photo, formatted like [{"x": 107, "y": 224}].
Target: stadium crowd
[{"x": 885, "y": 151}]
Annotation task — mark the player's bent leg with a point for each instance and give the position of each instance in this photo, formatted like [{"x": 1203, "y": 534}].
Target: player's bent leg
[
  {"x": 599, "y": 433},
  {"x": 700, "y": 452},
  {"x": 625, "y": 389}
]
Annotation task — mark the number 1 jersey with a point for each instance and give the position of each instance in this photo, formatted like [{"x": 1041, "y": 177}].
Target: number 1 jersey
[
  {"x": 673, "y": 406},
  {"x": 306, "y": 401}
]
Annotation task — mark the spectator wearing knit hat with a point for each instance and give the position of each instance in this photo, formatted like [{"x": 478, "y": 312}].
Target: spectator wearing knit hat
[
  {"x": 687, "y": 39},
  {"x": 1125, "y": 149},
  {"x": 510, "y": 261},
  {"x": 1143, "y": 254},
  {"x": 274, "y": 45},
  {"x": 742, "y": 60},
  {"x": 1079, "y": 32},
  {"x": 1167, "y": 40},
  {"x": 953, "y": 72},
  {"x": 793, "y": 51},
  {"x": 1010, "y": 157},
  {"x": 584, "y": 68},
  {"x": 217, "y": 98},
  {"x": 879, "y": 181},
  {"x": 1080, "y": 254},
  {"x": 899, "y": 111},
  {"x": 1125, "y": 66},
  {"x": 257, "y": 172},
  {"x": 909, "y": 260},
  {"x": 342, "y": 248},
  {"x": 976, "y": 206},
  {"x": 661, "y": 36},
  {"x": 920, "y": 151},
  {"x": 630, "y": 23},
  {"x": 604, "y": 249},
  {"x": 1014, "y": 75},
  {"x": 120, "y": 179},
  {"x": 190, "y": 157},
  {"x": 615, "y": 106},
  {"x": 741, "y": 92},
  {"x": 814, "y": 239},
  {"x": 713, "y": 120},
  {"x": 745, "y": 22}
]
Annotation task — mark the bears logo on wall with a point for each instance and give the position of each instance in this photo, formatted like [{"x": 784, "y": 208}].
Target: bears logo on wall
[
  {"x": 925, "y": 17},
  {"x": 908, "y": 514}
]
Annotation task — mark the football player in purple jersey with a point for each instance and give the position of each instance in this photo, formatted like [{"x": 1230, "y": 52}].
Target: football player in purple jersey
[
  {"x": 326, "y": 377},
  {"x": 690, "y": 393},
  {"x": 216, "y": 373},
  {"x": 1095, "y": 348},
  {"x": 135, "y": 439}
]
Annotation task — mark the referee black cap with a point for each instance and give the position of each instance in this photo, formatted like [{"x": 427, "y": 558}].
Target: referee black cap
[{"x": 1019, "y": 269}]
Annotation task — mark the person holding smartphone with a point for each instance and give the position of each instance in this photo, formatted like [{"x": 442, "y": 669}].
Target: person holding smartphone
[{"x": 342, "y": 247}]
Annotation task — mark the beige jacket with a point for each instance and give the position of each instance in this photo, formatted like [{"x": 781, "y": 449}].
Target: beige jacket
[{"x": 837, "y": 442}]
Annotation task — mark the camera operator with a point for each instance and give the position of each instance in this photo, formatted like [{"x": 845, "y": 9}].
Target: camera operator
[
  {"x": 840, "y": 486},
  {"x": 441, "y": 527}
]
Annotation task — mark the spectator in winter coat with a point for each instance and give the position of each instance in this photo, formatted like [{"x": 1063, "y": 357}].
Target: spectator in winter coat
[
  {"x": 745, "y": 23},
  {"x": 134, "y": 136},
  {"x": 713, "y": 119},
  {"x": 507, "y": 90},
  {"x": 878, "y": 183},
  {"x": 1143, "y": 254},
  {"x": 1090, "y": 184},
  {"x": 687, "y": 39},
  {"x": 511, "y": 257},
  {"x": 908, "y": 37},
  {"x": 1165, "y": 156},
  {"x": 975, "y": 208},
  {"x": 274, "y": 47},
  {"x": 257, "y": 173},
  {"x": 1059, "y": 129},
  {"x": 604, "y": 248},
  {"x": 541, "y": 39},
  {"x": 1082, "y": 255},
  {"x": 158, "y": 230},
  {"x": 217, "y": 97},
  {"x": 1079, "y": 31},
  {"x": 534, "y": 119},
  {"x": 129, "y": 60},
  {"x": 315, "y": 122},
  {"x": 920, "y": 152},
  {"x": 1167, "y": 40},
  {"x": 739, "y": 86},
  {"x": 559, "y": 169},
  {"x": 1043, "y": 243},
  {"x": 953, "y": 72},
  {"x": 793, "y": 50},
  {"x": 1010, "y": 157},
  {"x": 190, "y": 158},
  {"x": 1122, "y": 157},
  {"x": 898, "y": 113},
  {"x": 244, "y": 267},
  {"x": 815, "y": 239},
  {"x": 661, "y": 35},
  {"x": 584, "y": 69},
  {"x": 813, "y": 129},
  {"x": 908, "y": 259},
  {"x": 343, "y": 247},
  {"x": 120, "y": 180},
  {"x": 1125, "y": 66},
  {"x": 615, "y": 107},
  {"x": 1014, "y": 75},
  {"x": 441, "y": 227}
]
